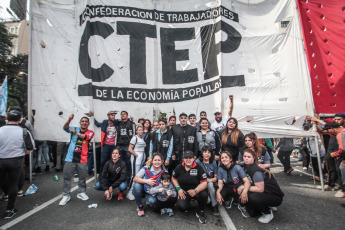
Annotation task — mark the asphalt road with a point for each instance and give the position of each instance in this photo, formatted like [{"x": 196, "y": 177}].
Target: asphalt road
[{"x": 305, "y": 206}]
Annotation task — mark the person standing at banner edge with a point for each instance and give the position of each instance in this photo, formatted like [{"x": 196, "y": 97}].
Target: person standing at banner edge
[
  {"x": 76, "y": 158},
  {"x": 15, "y": 142},
  {"x": 219, "y": 122},
  {"x": 108, "y": 137}
]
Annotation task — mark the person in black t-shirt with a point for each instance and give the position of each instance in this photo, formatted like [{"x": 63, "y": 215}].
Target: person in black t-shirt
[{"x": 190, "y": 181}]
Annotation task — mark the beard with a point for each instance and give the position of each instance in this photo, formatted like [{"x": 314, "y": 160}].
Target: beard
[{"x": 218, "y": 119}]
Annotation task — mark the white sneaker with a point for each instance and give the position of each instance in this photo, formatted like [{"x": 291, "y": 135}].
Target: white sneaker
[
  {"x": 65, "y": 199},
  {"x": 130, "y": 196},
  {"x": 82, "y": 196},
  {"x": 305, "y": 168},
  {"x": 266, "y": 218}
]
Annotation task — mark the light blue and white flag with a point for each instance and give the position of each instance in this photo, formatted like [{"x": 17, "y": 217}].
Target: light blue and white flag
[{"x": 3, "y": 97}]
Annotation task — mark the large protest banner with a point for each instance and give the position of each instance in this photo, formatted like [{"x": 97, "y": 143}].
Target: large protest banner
[
  {"x": 169, "y": 56},
  {"x": 323, "y": 27}
]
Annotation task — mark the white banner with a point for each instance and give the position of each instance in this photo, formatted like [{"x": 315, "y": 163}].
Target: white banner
[{"x": 149, "y": 56}]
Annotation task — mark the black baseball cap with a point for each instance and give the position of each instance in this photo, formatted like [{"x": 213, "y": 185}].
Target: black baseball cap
[
  {"x": 340, "y": 115},
  {"x": 188, "y": 154},
  {"x": 14, "y": 115},
  {"x": 330, "y": 125},
  {"x": 183, "y": 114},
  {"x": 15, "y": 108}
]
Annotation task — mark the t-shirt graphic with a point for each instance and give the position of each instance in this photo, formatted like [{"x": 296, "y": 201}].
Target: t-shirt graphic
[
  {"x": 110, "y": 135},
  {"x": 77, "y": 151}
]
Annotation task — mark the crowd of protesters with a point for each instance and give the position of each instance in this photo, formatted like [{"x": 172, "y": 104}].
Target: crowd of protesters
[{"x": 174, "y": 163}]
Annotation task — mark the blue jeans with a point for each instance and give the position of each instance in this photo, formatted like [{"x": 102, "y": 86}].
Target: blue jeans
[
  {"x": 43, "y": 149},
  {"x": 105, "y": 156},
  {"x": 122, "y": 186},
  {"x": 125, "y": 157},
  {"x": 137, "y": 191},
  {"x": 342, "y": 170}
]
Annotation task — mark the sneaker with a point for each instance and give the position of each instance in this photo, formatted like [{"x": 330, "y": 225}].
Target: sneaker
[
  {"x": 305, "y": 168},
  {"x": 10, "y": 213},
  {"x": 82, "y": 196},
  {"x": 340, "y": 194},
  {"x": 109, "y": 196},
  {"x": 5, "y": 197},
  {"x": 130, "y": 196},
  {"x": 163, "y": 211},
  {"x": 201, "y": 216},
  {"x": 65, "y": 199},
  {"x": 228, "y": 204},
  {"x": 170, "y": 211},
  {"x": 266, "y": 218},
  {"x": 243, "y": 211},
  {"x": 215, "y": 211},
  {"x": 20, "y": 193},
  {"x": 120, "y": 196},
  {"x": 288, "y": 172},
  {"x": 140, "y": 210}
]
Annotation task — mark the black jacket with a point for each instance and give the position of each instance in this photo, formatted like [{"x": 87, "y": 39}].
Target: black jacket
[
  {"x": 114, "y": 173},
  {"x": 161, "y": 146},
  {"x": 126, "y": 130},
  {"x": 184, "y": 139}
]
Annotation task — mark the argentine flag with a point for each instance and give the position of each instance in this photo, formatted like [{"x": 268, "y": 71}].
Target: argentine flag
[{"x": 3, "y": 97}]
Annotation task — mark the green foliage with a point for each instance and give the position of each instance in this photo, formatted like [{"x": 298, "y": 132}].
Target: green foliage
[{"x": 15, "y": 68}]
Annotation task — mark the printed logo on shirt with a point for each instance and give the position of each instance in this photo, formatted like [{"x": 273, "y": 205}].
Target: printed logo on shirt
[
  {"x": 204, "y": 176},
  {"x": 194, "y": 172},
  {"x": 236, "y": 180},
  {"x": 190, "y": 139},
  {"x": 118, "y": 169},
  {"x": 123, "y": 132},
  {"x": 165, "y": 143}
]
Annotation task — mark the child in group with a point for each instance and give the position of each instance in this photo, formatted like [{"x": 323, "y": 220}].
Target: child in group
[{"x": 166, "y": 195}]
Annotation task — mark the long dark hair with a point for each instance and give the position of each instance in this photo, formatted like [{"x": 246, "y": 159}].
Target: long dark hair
[
  {"x": 149, "y": 127},
  {"x": 256, "y": 144},
  {"x": 206, "y": 148},
  {"x": 234, "y": 133}
]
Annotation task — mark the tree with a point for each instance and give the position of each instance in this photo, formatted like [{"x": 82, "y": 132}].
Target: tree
[{"x": 15, "y": 68}]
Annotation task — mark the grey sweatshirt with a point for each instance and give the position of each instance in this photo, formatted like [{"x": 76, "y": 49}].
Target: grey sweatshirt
[{"x": 162, "y": 196}]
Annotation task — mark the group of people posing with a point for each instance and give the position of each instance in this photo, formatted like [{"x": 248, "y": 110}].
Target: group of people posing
[{"x": 175, "y": 164}]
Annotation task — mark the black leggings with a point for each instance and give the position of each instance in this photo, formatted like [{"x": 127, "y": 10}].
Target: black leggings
[
  {"x": 284, "y": 157},
  {"x": 184, "y": 205},
  {"x": 262, "y": 201},
  {"x": 11, "y": 168},
  {"x": 229, "y": 192}
]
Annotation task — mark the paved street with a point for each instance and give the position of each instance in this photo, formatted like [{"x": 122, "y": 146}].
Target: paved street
[{"x": 305, "y": 206}]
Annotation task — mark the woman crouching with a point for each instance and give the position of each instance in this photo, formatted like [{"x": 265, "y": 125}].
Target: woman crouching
[{"x": 264, "y": 192}]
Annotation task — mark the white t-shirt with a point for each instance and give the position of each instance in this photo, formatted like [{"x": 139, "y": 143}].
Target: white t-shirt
[
  {"x": 139, "y": 144},
  {"x": 221, "y": 125}
]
